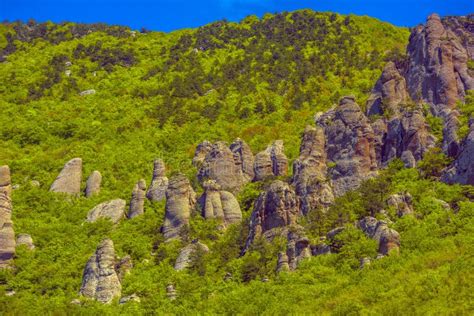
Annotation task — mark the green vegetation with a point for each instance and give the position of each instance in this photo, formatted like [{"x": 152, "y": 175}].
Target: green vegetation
[{"x": 159, "y": 95}]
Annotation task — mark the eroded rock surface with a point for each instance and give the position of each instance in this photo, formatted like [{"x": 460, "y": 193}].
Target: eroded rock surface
[
  {"x": 402, "y": 203},
  {"x": 243, "y": 158},
  {"x": 159, "y": 182},
  {"x": 69, "y": 179},
  {"x": 113, "y": 210},
  {"x": 462, "y": 169},
  {"x": 26, "y": 240},
  {"x": 271, "y": 162},
  {"x": 93, "y": 184},
  {"x": 218, "y": 204},
  {"x": 7, "y": 234},
  {"x": 388, "y": 239},
  {"x": 188, "y": 254},
  {"x": 137, "y": 203}
]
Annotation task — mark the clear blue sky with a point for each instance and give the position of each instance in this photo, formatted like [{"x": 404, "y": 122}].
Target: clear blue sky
[{"x": 167, "y": 15}]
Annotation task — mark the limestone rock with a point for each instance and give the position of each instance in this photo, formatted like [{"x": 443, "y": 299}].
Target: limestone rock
[
  {"x": 113, "y": 210},
  {"x": 93, "y": 184},
  {"x": 271, "y": 162},
  {"x": 350, "y": 145},
  {"x": 218, "y": 204},
  {"x": 387, "y": 238},
  {"x": 7, "y": 234},
  {"x": 87, "y": 92},
  {"x": 159, "y": 183},
  {"x": 180, "y": 201},
  {"x": 187, "y": 253},
  {"x": 309, "y": 172},
  {"x": 282, "y": 265},
  {"x": 100, "y": 280},
  {"x": 297, "y": 249},
  {"x": 171, "y": 292},
  {"x": 462, "y": 169},
  {"x": 123, "y": 267},
  {"x": 202, "y": 150},
  {"x": 137, "y": 203},
  {"x": 130, "y": 298},
  {"x": 69, "y": 179},
  {"x": 243, "y": 158},
  {"x": 402, "y": 203},
  {"x": 451, "y": 144},
  {"x": 25, "y": 239}
]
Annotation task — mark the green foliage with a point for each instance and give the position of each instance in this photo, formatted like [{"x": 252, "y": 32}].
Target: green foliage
[
  {"x": 466, "y": 110},
  {"x": 433, "y": 163}
]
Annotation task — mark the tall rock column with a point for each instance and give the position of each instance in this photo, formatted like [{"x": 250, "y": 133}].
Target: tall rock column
[
  {"x": 218, "y": 204},
  {"x": 137, "y": 203},
  {"x": 93, "y": 184},
  {"x": 7, "y": 234},
  {"x": 271, "y": 162},
  {"x": 159, "y": 182}
]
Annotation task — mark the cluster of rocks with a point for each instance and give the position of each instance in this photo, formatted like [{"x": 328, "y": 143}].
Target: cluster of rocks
[{"x": 218, "y": 204}]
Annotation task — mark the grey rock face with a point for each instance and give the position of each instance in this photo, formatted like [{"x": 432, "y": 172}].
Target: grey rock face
[
  {"x": 187, "y": 253},
  {"x": 113, "y": 210},
  {"x": 462, "y": 169},
  {"x": 218, "y": 204},
  {"x": 271, "y": 162},
  {"x": 202, "y": 150},
  {"x": 93, "y": 184},
  {"x": 350, "y": 145},
  {"x": 130, "y": 298},
  {"x": 451, "y": 144},
  {"x": 25, "y": 239},
  {"x": 69, "y": 179},
  {"x": 7, "y": 234},
  {"x": 159, "y": 183},
  {"x": 243, "y": 158},
  {"x": 100, "y": 280},
  {"x": 171, "y": 292},
  {"x": 180, "y": 201},
  {"x": 277, "y": 207},
  {"x": 282, "y": 264},
  {"x": 310, "y": 171},
  {"x": 402, "y": 203},
  {"x": 87, "y": 92},
  {"x": 137, "y": 203},
  {"x": 387, "y": 238},
  {"x": 297, "y": 249}
]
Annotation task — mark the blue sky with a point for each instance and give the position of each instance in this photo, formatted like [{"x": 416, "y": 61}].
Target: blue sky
[{"x": 167, "y": 15}]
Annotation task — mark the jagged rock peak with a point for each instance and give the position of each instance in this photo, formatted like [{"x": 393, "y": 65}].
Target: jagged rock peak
[
  {"x": 69, "y": 179},
  {"x": 113, "y": 210},
  {"x": 218, "y": 204},
  {"x": 7, "y": 234},
  {"x": 310, "y": 171},
  {"x": 180, "y": 201},
  {"x": 100, "y": 280},
  {"x": 93, "y": 184},
  {"x": 271, "y": 162},
  {"x": 159, "y": 182},
  {"x": 137, "y": 203}
]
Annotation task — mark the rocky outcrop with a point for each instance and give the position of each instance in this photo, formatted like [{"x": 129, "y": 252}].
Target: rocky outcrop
[
  {"x": 271, "y": 162},
  {"x": 388, "y": 239},
  {"x": 218, "y": 204},
  {"x": 402, "y": 203},
  {"x": 159, "y": 182},
  {"x": 202, "y": 150},
  {"x": 219, "y": 165},
  {"x": 100, "y": 280},
  {"x": 137, "y": 203},
  {"x": 350, "y": 145},
  {"x": 180, "y": 201},
  {"x": 310, "y": 171},
  {"x": 113, "y": 210},
  {"x": 130, "y": 298},
  {"x": 188, "y": 254},
  {"x": 462, "y": 169},
  {"x": 69, "y": 179},
  {"x": 7, "y": 234},
  {"x": 277, "y": 207},
  {"x": 93, "y": 184},
  {"x": 297, "y": 249},
  {"x": 25, "y": 240},
  {"x": 243, "y": 158}
]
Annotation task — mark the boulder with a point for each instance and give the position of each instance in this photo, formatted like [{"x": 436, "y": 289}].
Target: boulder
[
  {"x": 388, "y": 239},
  {"x": 401, "y": 203},
  {"x": 113, "y": 210},
  {"x": 26, "y": 240},
  {"x": 69, "y": 179},
  {"x": 93, "y": 184},
  {"x": 137, "y": 203},
  {"x": 171, "y": 292},
  {"x": 218, "y": 204},
  {"x": 310, "y": 171},
  {"x": 159, "y": 182},
  {"x": 350, "y": 145},
  {"x": 7, "y": 234},
  {"x": 180, "y": 201},
  {"x": 271, "y": 162},
  {"x": 130, "y": 298},
  {"x": 87, "y": 92},
  {"x": 100, "y": 280},
  {"x": 188, "y": 253}
]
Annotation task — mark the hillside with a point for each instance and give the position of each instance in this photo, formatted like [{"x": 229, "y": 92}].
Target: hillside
[{"x": 119, "y": 99}]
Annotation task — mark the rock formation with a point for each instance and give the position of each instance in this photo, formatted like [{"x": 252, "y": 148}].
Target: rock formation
[
  {"x": 187, "y": 254},
  {"x": 218, "y": 204},
  {"x": 277, "y": 207},
  {"x": 130, "y": 298},
  {"x": 137, "y": 203},
  {"x": 201, "y": 152},
  {"x": 113, "y": 210},
  {"x": 69, "y": 179},
  {"x": 310, "y": 171},
  {"x": 388, "y": 239},
  {"x": 100, "y": 280},
  {"x": 297, "y": 248},
  {"x": 159, "y": 182},
  {"x": 243, "y": 158},
  {"x": 350, "y": 145},
  {"x": 93, "y": 184},
  {"x": 180, "y": 201},
  {"x": 401, "y": 203},
  {"x": 7, "y": 234},
  {"x": 26, "y": 240},
  {"x": 462, "y": 169},
  {"x": 271, "y": 162}
]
